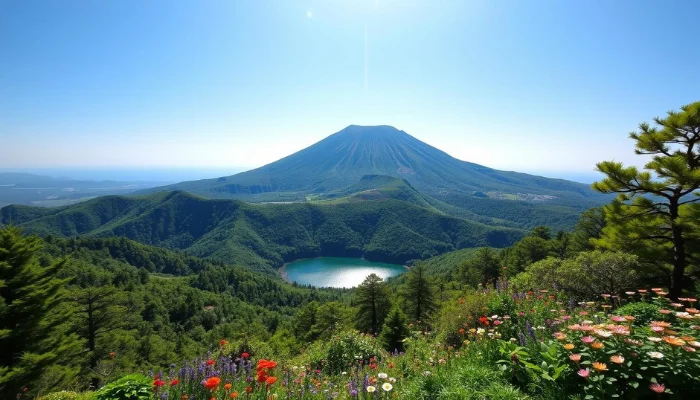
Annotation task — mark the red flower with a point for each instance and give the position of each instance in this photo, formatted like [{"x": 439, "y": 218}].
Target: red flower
[
  {"x": 174, "y": 382},
  {"x": 265, "y": 364},
  {"x": 271, "y": 380},
  {"x": 227, "y": 386},
  {"x": 262, "y": 376},
  {"x": 245, "y": 355},
  {"x": 223, "y": 342},
  {"x": 212, "y": 383},
  {"x": 484, "y": 320},
  {"x": 461, "y": 331},
  {"x": 373, "y": 366},
  {"x": 248, "y": 389},
  {"x": 211, "y": 362},
  {"x": 158, "y": 383}
]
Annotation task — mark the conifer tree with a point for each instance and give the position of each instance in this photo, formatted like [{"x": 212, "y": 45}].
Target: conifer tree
[
  {"x": 655, "y": 214},
  {"x": 29, "y": 318},
  {"x": 419, "y": 294},
  {"x": 395, "y": 330},
  {"x": 373, "y": 304}
]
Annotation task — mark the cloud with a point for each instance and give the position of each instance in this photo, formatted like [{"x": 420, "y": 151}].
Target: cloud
[{"x": 309, "y": 13}]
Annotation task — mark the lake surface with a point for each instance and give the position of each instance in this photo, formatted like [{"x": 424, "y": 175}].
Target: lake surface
[{"x": 337, "y": 272}]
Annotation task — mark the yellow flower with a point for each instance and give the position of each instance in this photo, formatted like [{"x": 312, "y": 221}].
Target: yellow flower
[
  {"x": 569, "y": 346},
  {"x": 597, "y": 345}
]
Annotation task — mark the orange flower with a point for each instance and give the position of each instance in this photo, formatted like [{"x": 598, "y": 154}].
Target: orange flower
[
  {"x": 617, "y": 359},
  {"x": 248, "y": 389},
  {"x": 600, "y": 367},
  {"x": 597, "y": 345},
  {"x": 223, "y": 342},
  {"x": 271, "y": 380},
  {"x": 234, "y": 395},
  {"x": 461, "y": 331},
  {"x": 212, "y": 383},
  {"x": 569, "y": 346},
  {"x": 674, "y": 341},
  {"x": 227, "y": 386},
  {"x": 112, "y": 354}
]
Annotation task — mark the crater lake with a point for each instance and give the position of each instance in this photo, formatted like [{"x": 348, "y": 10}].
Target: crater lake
[{"x": 337, "y": 272}]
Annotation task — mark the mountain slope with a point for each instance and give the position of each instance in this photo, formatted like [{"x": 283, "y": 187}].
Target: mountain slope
[
  {"x": 263, "y": 236},
  {"x": 345, "y": 157}
]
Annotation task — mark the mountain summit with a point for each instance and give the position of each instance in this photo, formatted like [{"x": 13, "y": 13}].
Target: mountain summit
[{"x": 343, "y": 158}]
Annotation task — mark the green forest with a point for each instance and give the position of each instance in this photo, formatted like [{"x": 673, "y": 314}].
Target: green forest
[{"x": 173, "y": 296}]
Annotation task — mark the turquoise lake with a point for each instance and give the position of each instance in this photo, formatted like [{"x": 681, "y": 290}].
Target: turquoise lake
[{"x": 337, "y": 272}]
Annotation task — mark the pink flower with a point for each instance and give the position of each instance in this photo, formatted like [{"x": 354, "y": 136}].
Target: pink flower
[
  {"x": 497, "y": 322},
  {"x": 657, "y": 329},
  {"x": 657, "y": 388},
  {"x": 583, "y": 373},
  {"x": 588, "y": 339},
  {"x": 618, "y": 318},
  {"x": 575, "y": 357}
]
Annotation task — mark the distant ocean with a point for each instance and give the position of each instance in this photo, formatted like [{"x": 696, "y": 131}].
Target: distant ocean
[{"x": 146, "y": 174}]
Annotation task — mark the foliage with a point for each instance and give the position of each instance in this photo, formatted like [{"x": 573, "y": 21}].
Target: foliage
[
  {"x": 654, "y": 213},
  {"x": 130, "y": 387},
  {"x": 372, "y": 299},
  {"x": 419, "y": 294},
  {"x": 30, "y": 313},
  {"x": 346, "y": 350},
  {"x": 65, "y": 395},
  {"x": 588, "y": 273},
  {"x": 642, "y": 312},
  {"x": 395, "y": 330}
]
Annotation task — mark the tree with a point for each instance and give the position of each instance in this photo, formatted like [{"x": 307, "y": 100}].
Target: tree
[
  {"x": 372, "y": 298},
  {"x": 29, "y": 312},
  {"x": 419, "y": 294},
  {"x": 484, "y": 266},
  {"x": 99, "y": 310},
  {"x": 330, "y": 318},
  {"x": 590, "y": 226},
  {"x": 656, "y": 208},
  {"x": 394, "y": 331}
]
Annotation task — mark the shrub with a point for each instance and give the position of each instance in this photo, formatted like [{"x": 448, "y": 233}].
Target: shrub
[
  {"x": 130, "y": 387},
  {"x": 64, "y": 395},
  {"x": 643, "y": 313},
  {"x": 345, "y": 350}
]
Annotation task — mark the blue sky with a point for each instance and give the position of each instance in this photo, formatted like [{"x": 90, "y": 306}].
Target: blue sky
[{"x": 536, "y": 86}]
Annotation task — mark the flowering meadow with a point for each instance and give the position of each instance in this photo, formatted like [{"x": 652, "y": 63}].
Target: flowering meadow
[{"x": 501, "y": 344}]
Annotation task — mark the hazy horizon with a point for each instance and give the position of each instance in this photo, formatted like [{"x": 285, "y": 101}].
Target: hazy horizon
[{"x": 543, "y": 87}]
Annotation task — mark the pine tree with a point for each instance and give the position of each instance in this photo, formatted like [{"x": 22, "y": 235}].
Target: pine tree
[
  {"x": 419, "y": 294},
  {"x": 29, "y": 318},
  {"x": 655, "y": 214},
  {"x": 373, "y": 304},
  {"x": 394, "y": 331}
]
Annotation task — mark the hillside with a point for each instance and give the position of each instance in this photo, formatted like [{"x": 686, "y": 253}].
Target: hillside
[
  {"x": 373, "y": 187},
  {"x": 344, "y": 158},
  {"x": 264, "y": 236}
]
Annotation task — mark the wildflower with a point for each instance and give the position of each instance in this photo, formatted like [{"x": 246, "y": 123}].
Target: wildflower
[
  {"x": 426, "y": 373},
  {"x": 559, "y": 336},
  {"x": 112, "y": 354},
  {"x": 629, "y": 293},
  {"x": 662, "y": 324},
  {"x": 583, "y": 373},
  {"x": 382, "y": 375},
  {"x": 629, "y": 318},
  {"x": 600, "y": 367},
  {"x": 245, "y": 355},
  {"x": 642, "y": 291},
  {"x": 387, "y": 387},
  {"x": 271, "y": 380},
  {"x": 569, "y": 346},
  {"x": 674, "y": 341},
  {"x": 484, "y": 320},
  {"x": 654, "y": 339},
  {"x": 223, "y": 342},
  {"x": 617, "y": 318},
  {"x": 174, "y": 382},
  {"x": 656, "y": 354},
  {"x": 617, "y": 359},
  {"x": 497, "y": 322},
  {"x": 587, "y": 339},
  {"x": 597, "y": 345},
  {"x": 392, "y": 380},
  {"x": 371, "y": 389},
  {"x": 248, "y": 389},
  {"x": 158, "y": 383},
  {"x": 657, "y": 388},
  {"x": 234, "y": 395},
  {"x": 575, "y": 357},
  {"x": 657, "y": 329},
  {"x": 210, "y": 362},
  {"x": 603, "y": 333},
  {"x": 695, "y": 343},
  {"x": 688, "y": 349},
  {"x": 461, "y": 331},
  {"x": 212, "y": 383},
  {"x": 227, "y": 386},
  {"x": 664, "y": 311}
]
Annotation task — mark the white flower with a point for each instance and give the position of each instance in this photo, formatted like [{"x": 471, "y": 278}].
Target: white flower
[
  {"x": 371, "y": 389},
  {"x": 655, "y": 354},
  {"x": 695, "y": 344},
  {"x": 603, "y": 333},
  {"x": 426, "y": 373},
  {"x": 382, "y": 375},
  {"x": 654, "y": 339},
  {"x": 494, "y": 317},
  {"x": 344, "y": 373},
  {"x": 392, "y": 380},
  {"x": 387, "y": 386},
  {"x": 480, "y": 331}
]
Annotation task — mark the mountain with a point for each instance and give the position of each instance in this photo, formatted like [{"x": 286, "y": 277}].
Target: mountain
[
  {"x": 264, "y": 236},
  {"x": 455, "y": 187},
  {"x": 47, "y": 191},
  {"x": 374, "y": 187},
  {"x": 345, "y": 157}
]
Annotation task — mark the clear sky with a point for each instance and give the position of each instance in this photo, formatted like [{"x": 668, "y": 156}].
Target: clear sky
[{"x": 535, "y": 86}]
